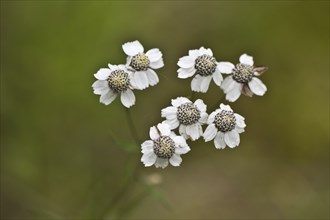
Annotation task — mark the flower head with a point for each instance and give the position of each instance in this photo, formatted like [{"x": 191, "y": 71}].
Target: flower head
[
  {"x": 163, "y": 148},
  {"x": 242, "y": 79},
  {"x": 142, "y": 64},
  {"x": 203, "y": 65},
  {"x": 224, "y": 127},
  {"x": 113, "y": 81},
  {"x": 188, "y": 115}
]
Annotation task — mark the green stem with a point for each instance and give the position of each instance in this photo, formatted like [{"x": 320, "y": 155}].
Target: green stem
[
  {"x": 129, "y": 183},
  {"x": 132, "y": 127}
]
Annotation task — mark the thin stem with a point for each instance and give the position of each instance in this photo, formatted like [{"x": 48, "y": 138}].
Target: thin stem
[
  {"x": 132, "y": 127},
  {"x": 133, "y": 203},
  {"x": 133, "y": 172}
]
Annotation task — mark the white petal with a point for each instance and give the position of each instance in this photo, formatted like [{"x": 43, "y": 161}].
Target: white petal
[
  {"x": 225, "y": 107},
  {"x": 100, "y": 87},
  {"x": 184, "y": 73},
  {"x": 152, "y": 77},
  {"x": 108, "y": 97},
  {"x": 193, "y": 131},
  {"x": 208, "y": 51},
  {"x": 257, "y": 87},
  {"x": 246, "y": 59},
  {"x": 140, "y": 80},
  {"x": 128, "y": 61},
  {"x": 153, "y": 133},
  {"x": 194, "y": 53},
  {"x": 113, "y": 67},
  {"x": 203, "y": 118},
  {"x": 127, "y": 98},
  {"x": 227, "y": 84},
  {"x": 169, "y": 112},
  {"x": 182, "y": 150},
  {"x": 211, "y": 117},
  {"x": 210, "y": 132},
  {"x": 217, "y": 77},
  {"x": 196, "y": 83},
  {"x": 149, "y": 159},
  {"x": 173, "y": 123},
  {"x": 156, "y": 65},
  {"x": 154, "y": 54},
  {"x": 239, "y": 129},
  {"x": 232, "y": 138},
  {"x": 147, "y": 146},
  {"x": 101, "y": 91},
  {"x": 226, "y": 67},
  {"x": 160, "y": 162},
  {"x": 179, "y": 101},
  {"x": 175, "y": 160},
  {"x": 186, "y": 62},
  {"x": 180, "y": 142},
  {"x": 172, "y": 135},
  {"x": 164, "y": 129},
  {"x": 182, "y": 131},
  {"x": 205, "y": 84},
  {"x": 240, "y": 120},
  {"x": 102, "y": 74},
  {"x": 133, "y": 48},
  {"x": 234, "y": 93},
  {"x": 219, "y": 140},
  {"x": 200, "y": 105},
  {"x": 122, "y": 67}
]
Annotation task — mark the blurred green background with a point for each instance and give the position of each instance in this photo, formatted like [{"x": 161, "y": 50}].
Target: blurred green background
[{"x": 58, "y": 160}]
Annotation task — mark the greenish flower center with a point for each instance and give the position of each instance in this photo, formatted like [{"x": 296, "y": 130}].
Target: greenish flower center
[
  {"x": 188, "y": 114},
  {"x": 225, "y": 120},
  {"x": 140, "y": 62},
  {"x": 205, "y": 65},
  {"x": 164, "y": 147},
  {"x": 243, "y": 73},
  {"x": 118, "y": 81}
]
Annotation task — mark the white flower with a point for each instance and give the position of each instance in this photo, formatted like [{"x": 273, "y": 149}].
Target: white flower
[
  {"x": 113, "y": 81},
  {"x": 202, "y": 63},
  {"x": 224, "y": 127},
  {"x": 142, "y": 64},
  {"x": 243, "y": 78},
  {"x": 164, "y": 147},
  {"x": 189, "y": 116}
]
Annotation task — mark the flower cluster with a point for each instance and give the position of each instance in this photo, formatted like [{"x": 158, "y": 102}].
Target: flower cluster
[
  {"x": 188, "y": 117},
  {"x": 138, "y": 73}
]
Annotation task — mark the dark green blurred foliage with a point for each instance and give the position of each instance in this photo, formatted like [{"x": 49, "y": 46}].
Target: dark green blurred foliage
[{"x": 58, "y": 158}]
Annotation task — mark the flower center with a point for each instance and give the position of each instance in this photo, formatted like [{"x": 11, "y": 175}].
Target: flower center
[
  {"x": 188, "y": 114},
  {"x": 118, "y": 81},
  {"x": 164, "y": 147},
  {"x": 140, "y": 62},
  {"x": 243, "y": 73},
  {"x": 225, "y": 121},
  {"x": 205, "y": 65}
]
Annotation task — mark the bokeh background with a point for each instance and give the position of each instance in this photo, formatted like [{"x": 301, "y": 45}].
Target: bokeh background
[{"x": 66, "y": 156}]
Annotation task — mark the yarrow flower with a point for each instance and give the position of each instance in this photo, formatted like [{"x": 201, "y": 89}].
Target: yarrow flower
[
  {"x": 142, "y": 64},
  {"x": 163, "y": 148},
  {"x": 224, "y": 127},
  {"x": 188, "y": 115},
  {"x": 113, "y": 81},
  {"x": 202, "y": 63},
  {"x": 243, "y": 79}
]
